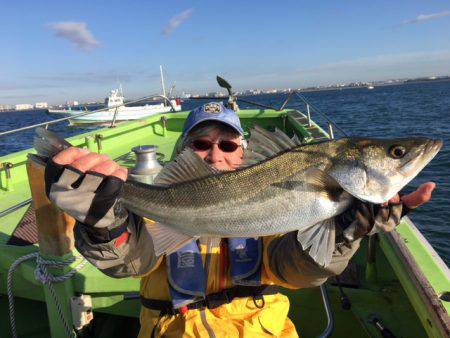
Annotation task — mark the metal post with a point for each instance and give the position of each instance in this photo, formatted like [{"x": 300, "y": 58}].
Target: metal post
[
  {"x": 326, "y": 303},
  {"x": 113, "y": 122},
  {"x": 14, "y": 207},
  {"x": 98, "y": 139},
  {"x": 162, "y": 81},
  {"x": 7, "y": 166},
  {"x": 163, "y": 122},
  {"x": 309, "y": 115},
  {"x": 330, "y": 130}
]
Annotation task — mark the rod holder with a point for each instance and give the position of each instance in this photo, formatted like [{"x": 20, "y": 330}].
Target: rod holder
[
  {"x": 98, "y": 139},
  {"x": 308, "y": 111},
  {"x": 7, "y": 166},
  {"x": 330, "y": 130}
]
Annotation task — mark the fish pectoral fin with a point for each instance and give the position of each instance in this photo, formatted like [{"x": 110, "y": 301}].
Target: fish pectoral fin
[
  {"x": 324, "y": 183},
  {"x": 167, "y": 240},
  {"x": 320, "y": 240},
  {"x": 187, "y": 166}
]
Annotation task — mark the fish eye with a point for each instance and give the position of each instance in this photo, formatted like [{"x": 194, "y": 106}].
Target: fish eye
[{"x": 397, "y": 151}]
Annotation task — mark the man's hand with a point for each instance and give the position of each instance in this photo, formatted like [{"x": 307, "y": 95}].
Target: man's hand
[
  {"x": 366, "y": 218},
  {"x": 87, "y": 186},
  {"x": 415, "y": 199},
  {"x": 386, "y": 219},
  {"x": 83, "y": 160}
]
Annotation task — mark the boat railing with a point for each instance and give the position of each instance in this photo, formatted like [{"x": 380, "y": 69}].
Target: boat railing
[
  {"x": 113, "y": 120},
  {"x": 305, "y": 103},
  {"x": 310, "y": 107}
]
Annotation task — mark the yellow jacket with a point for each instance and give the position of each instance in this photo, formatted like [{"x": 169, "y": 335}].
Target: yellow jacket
[{"x": 284, "y": 263}]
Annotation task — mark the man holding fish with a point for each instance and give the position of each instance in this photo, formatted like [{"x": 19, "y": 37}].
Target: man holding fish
[{"x": 218, "y": 279}]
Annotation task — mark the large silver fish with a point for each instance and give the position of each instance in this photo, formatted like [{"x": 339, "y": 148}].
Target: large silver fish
[{"x": 282, "y": 187}]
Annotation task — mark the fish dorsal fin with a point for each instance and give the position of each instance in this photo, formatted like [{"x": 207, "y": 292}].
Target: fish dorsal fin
[
  {"x": 324, "y": 183},
  {"x": 186, "y": 167},
  {"x": 166, "y": 239},
  {"x": 264, "y": 144}
]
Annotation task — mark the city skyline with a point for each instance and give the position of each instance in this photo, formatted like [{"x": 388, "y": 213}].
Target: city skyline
[
  {"x": 243, "y": 92},
  {"x": 80, "y": 51}
]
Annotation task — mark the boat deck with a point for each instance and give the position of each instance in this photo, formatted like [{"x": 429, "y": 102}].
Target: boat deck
[{"x": 387, "y": 294}]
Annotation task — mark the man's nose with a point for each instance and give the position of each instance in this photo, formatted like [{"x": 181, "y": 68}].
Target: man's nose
[{"x": 215, "y": 154}]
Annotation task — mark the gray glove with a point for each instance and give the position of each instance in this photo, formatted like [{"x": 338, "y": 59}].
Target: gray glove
[
  {"x": 365, "y": 218},
  {"x": 91, "y": 198}
]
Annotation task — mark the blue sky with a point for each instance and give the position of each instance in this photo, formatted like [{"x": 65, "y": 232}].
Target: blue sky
[{"x": 61, "y": 50}]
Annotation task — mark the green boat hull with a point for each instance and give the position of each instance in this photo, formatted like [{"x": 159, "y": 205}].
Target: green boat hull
[{"x": 395, "y": 279}]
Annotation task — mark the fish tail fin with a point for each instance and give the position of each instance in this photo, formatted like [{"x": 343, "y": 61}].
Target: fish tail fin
[
  {"x": 320, "y": 240},
  {"x": 48, "y": 143},
  {"x": 167, "y": 240}
]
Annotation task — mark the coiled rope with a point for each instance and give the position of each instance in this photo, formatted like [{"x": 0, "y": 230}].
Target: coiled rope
[{"x": 42, "y": 274}]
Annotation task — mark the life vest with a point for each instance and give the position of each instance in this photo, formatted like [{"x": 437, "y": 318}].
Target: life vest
[{"x": 186, "y": 276}]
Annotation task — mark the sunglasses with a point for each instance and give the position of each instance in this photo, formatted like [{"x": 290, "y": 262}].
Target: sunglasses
[{"x": 224, "y": 145}]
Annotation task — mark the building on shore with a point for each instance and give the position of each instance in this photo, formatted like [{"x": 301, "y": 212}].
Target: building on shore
[
  {"x": 41, "y": 105},
  {"x": 23, "y": 106},
  {"x": 6, "y": 107}
]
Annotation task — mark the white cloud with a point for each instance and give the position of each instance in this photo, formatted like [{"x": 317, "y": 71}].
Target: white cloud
[
  {"x": 426, "y": 17},
  {"x": 77, "y": 33},
  {"x": 176, "y": 21}
]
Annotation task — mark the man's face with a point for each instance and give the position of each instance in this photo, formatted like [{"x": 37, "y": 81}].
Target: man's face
[{"x": 215, "y": 156}]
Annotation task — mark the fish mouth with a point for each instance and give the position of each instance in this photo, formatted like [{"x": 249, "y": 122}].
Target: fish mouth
[
  {"x": 433, "y": 146},
  {"x": 424, "y": 155}
]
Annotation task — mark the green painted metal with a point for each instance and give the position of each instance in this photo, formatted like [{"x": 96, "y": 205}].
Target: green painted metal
[
  {"x": 436, "y": 274},
  {"x": 430, "y": 263},
  {"x": 383, "y": 289},
  {"x": 398, "y": 316}
]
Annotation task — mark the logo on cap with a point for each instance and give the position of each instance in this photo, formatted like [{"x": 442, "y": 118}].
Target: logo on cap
[{"x": 212, "y": 108}]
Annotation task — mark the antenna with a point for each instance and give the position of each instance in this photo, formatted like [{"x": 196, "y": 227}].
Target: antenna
[
  {"x": 162, "y": 81},
  {"x": 172, "y": 87}
]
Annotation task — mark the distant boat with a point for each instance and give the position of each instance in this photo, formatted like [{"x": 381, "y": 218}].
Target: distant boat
[
  {"x": 370, "y": 87},
  {"x": 115, "y": 101},
  {"x": 66, "y": 111}
]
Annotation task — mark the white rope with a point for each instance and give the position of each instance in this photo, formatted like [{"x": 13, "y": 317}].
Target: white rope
[{"x": 46, "y": 278}]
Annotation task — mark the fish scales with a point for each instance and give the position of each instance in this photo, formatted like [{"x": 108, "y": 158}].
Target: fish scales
[
  {"x": 301, "y": 188},
  {"x": 241, "y": 184},
  {"x": 217, "y": 204}
]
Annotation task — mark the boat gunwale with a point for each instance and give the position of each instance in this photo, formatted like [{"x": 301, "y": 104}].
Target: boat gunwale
[{"x": 415, "y": 276}]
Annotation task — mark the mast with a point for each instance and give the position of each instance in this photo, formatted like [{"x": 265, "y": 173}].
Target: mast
[{"x": 162, "y": 81}]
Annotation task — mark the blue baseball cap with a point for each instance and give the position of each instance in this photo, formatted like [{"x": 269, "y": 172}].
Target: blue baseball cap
[{"x": 213, "y": 111}]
